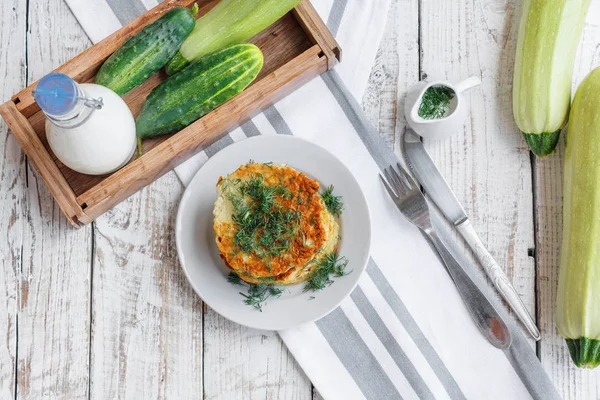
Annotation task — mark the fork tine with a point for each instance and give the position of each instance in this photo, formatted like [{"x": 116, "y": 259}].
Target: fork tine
[
  {"x": 389, "y": 182},
  {"x": 407, "y": 179},
  {"x": 388, "y": 188},
  {"x": 394, "y": 182},
  {"x": 405, "y": 188}
]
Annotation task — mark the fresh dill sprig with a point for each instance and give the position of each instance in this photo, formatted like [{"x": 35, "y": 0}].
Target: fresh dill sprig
[
  {"x": 435, "y": 102},
  {"x": 234, "y": 279},
  {"x": 331, "y": 264},
  {"x": 257, "y": 294},
  {"x": 334, "y": 203},
  {"x": 265, "y": 227}
]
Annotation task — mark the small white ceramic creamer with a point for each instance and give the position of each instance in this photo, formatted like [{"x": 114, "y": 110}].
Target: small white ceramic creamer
[
  {"x": 89, "y": 127},
  {"x": 455, "y": 116}
]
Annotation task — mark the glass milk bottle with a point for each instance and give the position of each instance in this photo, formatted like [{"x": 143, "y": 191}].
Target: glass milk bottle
[{"x": 89, "y": 127}]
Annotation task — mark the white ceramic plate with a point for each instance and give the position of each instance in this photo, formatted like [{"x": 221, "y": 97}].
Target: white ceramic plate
[{"x": 200, "y": 257}]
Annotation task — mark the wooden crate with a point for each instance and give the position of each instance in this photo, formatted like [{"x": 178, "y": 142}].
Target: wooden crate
[{"x": 296, "y": 49}]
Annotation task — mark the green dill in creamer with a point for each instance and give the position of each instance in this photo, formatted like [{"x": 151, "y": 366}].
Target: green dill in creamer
[{"x": 435, "y": 102}]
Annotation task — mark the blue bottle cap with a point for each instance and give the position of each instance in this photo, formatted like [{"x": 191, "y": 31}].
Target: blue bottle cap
[{"x": 56, "y": 94}]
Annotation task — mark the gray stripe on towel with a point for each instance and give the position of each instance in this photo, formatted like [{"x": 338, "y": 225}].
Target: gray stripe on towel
[
  {"x": 356, "y": 357},
  {"x": 383, "y": 156},
  {"x": 335, "y": 16},
  {"x": 218, "y": 146},
  {"x": 126, "y": 10},
  {"x": 277, "y": 121},
  {"x": 391, "y": 345},
  {"x": 396, "y": 304},
  {"x": 250, "y": 129}
]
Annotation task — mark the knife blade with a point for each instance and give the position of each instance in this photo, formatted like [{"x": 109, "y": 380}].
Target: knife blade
[
  {"x": 432, "y": 180},
  {"x": 442, "y": 195}
]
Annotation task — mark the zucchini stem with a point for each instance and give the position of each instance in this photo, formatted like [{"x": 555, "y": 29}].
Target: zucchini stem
[
  {"x": 542, "y": 144},
  {"x": 584, "y": 352}
]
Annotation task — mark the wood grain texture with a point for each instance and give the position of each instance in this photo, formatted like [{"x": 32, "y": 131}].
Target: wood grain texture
[
  {"x": 12, "y": 195},
  {"x": 396, "y": 68},
  {"x": 146, "y": 321},
  {"x": 571, "y": 382},
  {"x": 487, "y": 163},
  {"x": 318, "y": 32},
  {"x": 53, "y": 324},
  {"x": 243, "y": 363},
  {"x": 40, "y": 158}
]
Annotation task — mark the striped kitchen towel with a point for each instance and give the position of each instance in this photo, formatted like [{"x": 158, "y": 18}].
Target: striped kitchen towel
[{"x": 404, "y": 332}]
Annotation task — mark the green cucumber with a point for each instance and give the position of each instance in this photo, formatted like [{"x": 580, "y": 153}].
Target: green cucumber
[
  {"x": 146, "y": 52},
  {"x": 229, "y": 22},
  {"x": 198, "y": 89}
]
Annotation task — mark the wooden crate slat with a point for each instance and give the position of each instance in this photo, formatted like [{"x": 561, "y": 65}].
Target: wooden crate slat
[
  {"x": 317, "y": 30},
  {"x": 41, "y": 159}
]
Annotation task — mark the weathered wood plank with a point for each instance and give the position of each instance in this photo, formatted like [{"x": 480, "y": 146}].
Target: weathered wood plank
[
  {"x": 53, "y": 325},
  {"x": 12, "y": 195},
  {"x": 487, "y": 163},
  {"x": 571, "y": 382},
  {"x": 147, "y": 321},
  {"x": 396, "y": 68},
  {"x": 243, "y": 363}
]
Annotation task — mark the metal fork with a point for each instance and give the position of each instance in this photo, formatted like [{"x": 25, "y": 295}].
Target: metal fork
[{"x": 412, "y": 204}]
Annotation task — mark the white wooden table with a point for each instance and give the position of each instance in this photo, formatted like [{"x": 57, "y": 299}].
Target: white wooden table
[{"x": 105, "y": 312}]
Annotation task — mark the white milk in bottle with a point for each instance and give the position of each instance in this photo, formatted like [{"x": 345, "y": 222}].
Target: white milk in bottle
[{"x": 89, "y": 127}]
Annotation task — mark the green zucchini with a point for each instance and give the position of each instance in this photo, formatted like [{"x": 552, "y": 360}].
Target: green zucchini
[
  {"x": 548, "y": 36},
  {"x": 198, "y": 89},
  {"x": 146, "y": 52},
  {"x": 229, "y": 22},
  {"x": 578, "y": 298}
]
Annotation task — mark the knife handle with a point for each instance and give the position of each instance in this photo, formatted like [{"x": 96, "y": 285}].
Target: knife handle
[
  {"x": 498, "y": 278},
  {"x": 485, "y": 316}
]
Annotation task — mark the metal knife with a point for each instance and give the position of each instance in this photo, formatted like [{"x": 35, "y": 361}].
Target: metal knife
[{"x": 438, "y": 190}]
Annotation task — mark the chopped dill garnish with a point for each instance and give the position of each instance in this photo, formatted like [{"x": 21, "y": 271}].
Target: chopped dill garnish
[
  {"x": 435, "y": 102},
  {"x": 265, "y": 227},
  {"x": 329, "y": 265},
  {"x": 257, "y": 294},
  {"x": 334, "y": 203},
  {"x": 235, "y": 279}
]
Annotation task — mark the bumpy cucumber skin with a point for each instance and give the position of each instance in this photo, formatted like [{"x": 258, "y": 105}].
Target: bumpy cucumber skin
[
  {"x": 146, "y": 52},
  {"x": 198, "y": 89},
  {"x": 542, "y": 144}
]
